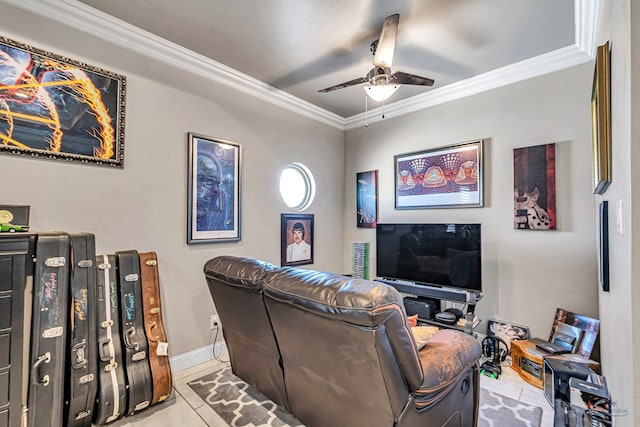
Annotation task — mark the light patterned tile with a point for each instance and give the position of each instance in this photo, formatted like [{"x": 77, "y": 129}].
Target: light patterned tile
[
  {"x": 501, "y": 387},
  {"x": 537, "y": 398},
  {"x": 174, "y": 412},
  {"x": 206, "y": 366}
]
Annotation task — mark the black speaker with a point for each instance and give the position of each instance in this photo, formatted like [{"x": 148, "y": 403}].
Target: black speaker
[
  {"x": 425, "y": 309},
  {"x": 495, "y": 348}
]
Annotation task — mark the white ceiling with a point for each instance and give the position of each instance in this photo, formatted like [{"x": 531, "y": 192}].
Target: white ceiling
[{"x": 301, "y": 46}]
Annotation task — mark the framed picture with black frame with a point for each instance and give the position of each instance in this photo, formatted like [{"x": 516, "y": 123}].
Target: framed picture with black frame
[
  {"x": 604, "y": 245},
  {"x": 214, "y": 190},
  {"x": 296, "y": 241},
  {"x": 367, "y": 199}
]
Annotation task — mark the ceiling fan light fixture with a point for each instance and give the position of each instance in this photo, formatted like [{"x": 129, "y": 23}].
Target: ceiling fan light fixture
[{"x": 380, "y": 93}]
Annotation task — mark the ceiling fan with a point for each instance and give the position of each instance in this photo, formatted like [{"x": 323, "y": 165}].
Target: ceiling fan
[{"x": 381, "y": 83}]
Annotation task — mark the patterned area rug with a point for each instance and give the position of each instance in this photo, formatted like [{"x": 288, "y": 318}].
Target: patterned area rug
[{"x": 242, "y": 406}]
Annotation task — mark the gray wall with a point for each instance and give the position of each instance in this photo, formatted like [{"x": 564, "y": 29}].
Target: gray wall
[
  {"x": 620, "y": 333},
  {"x": 143, "y": 207},
  {"x": 526, "y": 274}
]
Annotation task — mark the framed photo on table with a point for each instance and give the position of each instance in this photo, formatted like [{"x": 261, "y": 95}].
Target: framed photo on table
[
  {"x": 296, "y": 242},
  {"x": 447, "y": 177},
  {"x": 214, "y": 190}
]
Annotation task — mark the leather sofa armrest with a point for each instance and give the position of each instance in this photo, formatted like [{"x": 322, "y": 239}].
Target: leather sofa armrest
[{"x": 445, "y": 358}]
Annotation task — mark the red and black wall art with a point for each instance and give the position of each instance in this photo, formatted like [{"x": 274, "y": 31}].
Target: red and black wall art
[{"x": 534, "y": 187}]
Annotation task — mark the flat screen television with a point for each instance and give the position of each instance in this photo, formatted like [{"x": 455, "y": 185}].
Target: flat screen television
[{"x": 430, "y": 260}]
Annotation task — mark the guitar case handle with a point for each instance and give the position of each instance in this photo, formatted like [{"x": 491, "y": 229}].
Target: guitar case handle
[
  {"x": 78, "y": 359},
  {"x": 35, "y": 370},
  {"x": 129, "y": 338}
]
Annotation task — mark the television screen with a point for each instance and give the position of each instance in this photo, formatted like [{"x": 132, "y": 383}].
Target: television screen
[{"x": 441, "y": 255}]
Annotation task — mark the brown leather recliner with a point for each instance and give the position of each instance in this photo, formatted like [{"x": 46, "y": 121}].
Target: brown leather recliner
[
  {"x": 347, "y": 354},
  {"x": 236, "y": 287}
]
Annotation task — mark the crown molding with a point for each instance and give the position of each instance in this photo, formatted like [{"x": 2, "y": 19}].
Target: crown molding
[
  {"x": 587, "y": 14},
  {"x": 87, "y": 19},
  {"x": 547, "y": 63}
]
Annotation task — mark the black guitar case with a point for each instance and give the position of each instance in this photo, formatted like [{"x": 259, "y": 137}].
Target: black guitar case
[
  {"x": 81, "y": 381},
  {"x": 48, "y": 338},
  {"x": 111, "y": 399},
  {"x": 136, "y": 357}
]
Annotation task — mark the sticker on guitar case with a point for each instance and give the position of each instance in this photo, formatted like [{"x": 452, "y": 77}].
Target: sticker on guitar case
[{"x": 163, "y": 349}]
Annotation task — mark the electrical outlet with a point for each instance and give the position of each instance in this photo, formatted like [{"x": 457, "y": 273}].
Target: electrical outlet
[{"x": 215, "y": 321}]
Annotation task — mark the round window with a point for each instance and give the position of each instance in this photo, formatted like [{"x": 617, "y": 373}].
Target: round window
[{"x": 297, "y": 186}]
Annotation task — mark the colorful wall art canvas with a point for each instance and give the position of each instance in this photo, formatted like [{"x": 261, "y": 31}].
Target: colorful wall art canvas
[
  {"x": 214, "y": 190},
  {"x": 445, "y": 177},
  {"x": 367, "y": 199},
  {"x": 58, "y": 108},
  {"x": 534, "y": 192}
]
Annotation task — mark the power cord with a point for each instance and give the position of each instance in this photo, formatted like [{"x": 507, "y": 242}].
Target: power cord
[{"x": 215, "y": 339}]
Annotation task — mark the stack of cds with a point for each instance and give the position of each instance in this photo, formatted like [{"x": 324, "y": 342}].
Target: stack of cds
[{"x": 360, "y": 260}]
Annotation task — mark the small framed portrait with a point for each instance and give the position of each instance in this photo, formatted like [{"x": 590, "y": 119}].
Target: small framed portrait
[{"x": 296, "y": 239}]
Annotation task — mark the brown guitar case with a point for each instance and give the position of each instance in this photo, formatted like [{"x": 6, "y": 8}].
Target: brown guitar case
[{"x": 154, "y": 328}]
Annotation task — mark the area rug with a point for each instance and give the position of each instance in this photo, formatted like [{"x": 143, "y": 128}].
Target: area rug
[{"x": 242, "y": 406}]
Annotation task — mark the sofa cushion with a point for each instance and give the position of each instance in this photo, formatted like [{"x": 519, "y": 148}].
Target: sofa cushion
[
  {"x": 236, "y": 271},
  {"x": 332, "y": 295},
  {"x": 445, "y": 358},
  {"x": 422, "y": 334},
  {"x": 413, "y": 320}
]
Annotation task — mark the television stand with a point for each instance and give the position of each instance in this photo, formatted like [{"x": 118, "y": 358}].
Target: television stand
[
  {"x": 426, "y": 309},
  {"x": 433, "y": 292},
  {"x": 433, "y": 322}
]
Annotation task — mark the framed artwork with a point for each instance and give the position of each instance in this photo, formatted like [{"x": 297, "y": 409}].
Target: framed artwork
[
  {"x": 604, "y": 245},
  {"x": 601, "y": 120},
  {"x": 367, "y": 199},
  {"x": 214, "y": 190},
  {"x": 296, "y": 239},
  {"x": 589, "y": 325},
  {"x": 59, "y": 108},
  {"x": 534, "y": 187},
  {"x": 448, "y": 177},
  {"x": 507, "y": 331}
]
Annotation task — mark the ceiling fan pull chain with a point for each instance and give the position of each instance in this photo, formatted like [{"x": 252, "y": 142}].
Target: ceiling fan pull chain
[
  {"x": 366, "y": 110},
  {"x": 383, "y": 109}
]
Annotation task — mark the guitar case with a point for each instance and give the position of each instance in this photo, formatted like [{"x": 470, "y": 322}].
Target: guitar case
[
  {"x": 81, "y": 381},
  {"x": 154, "y": 328},
  {"x": 136, "y": 354},
  {"x": 48, "y": 338},
  {"x": 111, "y": 401}
]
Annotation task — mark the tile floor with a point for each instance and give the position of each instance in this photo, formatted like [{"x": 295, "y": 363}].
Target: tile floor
[{"x": 185, "y": 409}]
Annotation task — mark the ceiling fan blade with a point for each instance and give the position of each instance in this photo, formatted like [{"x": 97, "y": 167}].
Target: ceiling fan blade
[
  {"x": 387, "y": 42},
  {"x": 410, "y": 79},
  {"x": 345, "y": 84}
]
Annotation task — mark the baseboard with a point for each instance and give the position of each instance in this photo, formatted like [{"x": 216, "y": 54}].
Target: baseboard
[{"x": 199, "y": 355}]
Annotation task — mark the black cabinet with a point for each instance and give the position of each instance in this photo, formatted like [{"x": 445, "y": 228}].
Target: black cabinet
[{"x": 16, "y": 265}]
